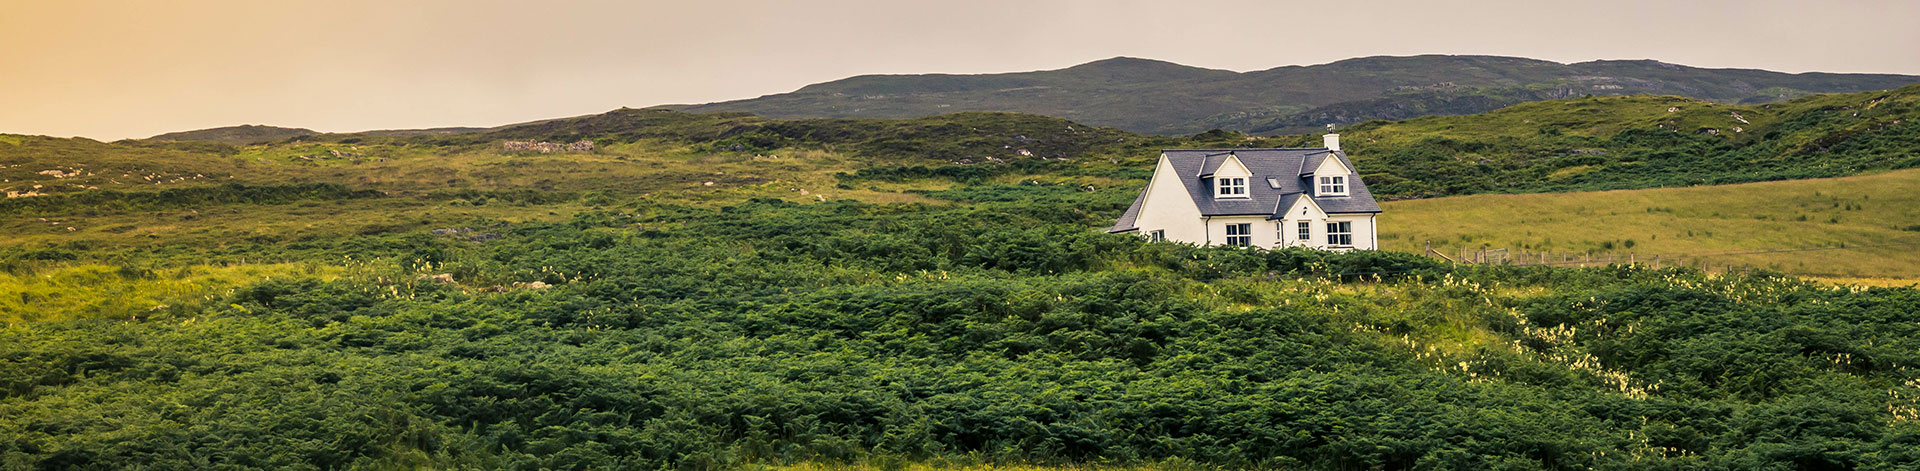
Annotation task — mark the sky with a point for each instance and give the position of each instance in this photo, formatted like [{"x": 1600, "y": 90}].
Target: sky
[{"x": 127, "y": 69}]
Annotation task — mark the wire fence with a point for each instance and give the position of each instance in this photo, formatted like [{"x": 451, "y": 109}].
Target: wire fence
[{"x": 1703, "y": 260}]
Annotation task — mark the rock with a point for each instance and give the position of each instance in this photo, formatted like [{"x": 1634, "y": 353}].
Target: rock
[{"x": 440, "y": 278}]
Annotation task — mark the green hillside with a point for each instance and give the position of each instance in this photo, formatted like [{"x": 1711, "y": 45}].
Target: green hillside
[
  {"x": 726, "y": 291},
  {"x": 1589, "y": 143},
  {"x": 1157, "y": 97},
  {"x": 237, "y": 135},
  {"x": 1637, "y": 142}
]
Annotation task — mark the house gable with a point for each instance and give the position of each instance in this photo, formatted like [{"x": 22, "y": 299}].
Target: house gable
[
  {"x": 1231, "y": 166},
  {"x": 1303, "y": 207},
  {"x": 1287, "y": 219},
  {"x": 1230, "y": 169},
  {"x": 1166, "y": 205},
  {"x": 1332, "y": 166}
]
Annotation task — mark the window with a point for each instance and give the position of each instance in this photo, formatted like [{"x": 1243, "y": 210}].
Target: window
[
  {"x": 1306, "y": 231},
  {"x": 1234, "y": 187},
  {"x": 1340, "y": 234},
  {"x": 1240, "y": 234},
  {"x": 1333, "y": 186},
  {"x": 1157, "y": 236}
]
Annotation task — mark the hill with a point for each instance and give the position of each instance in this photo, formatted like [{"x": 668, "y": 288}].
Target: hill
[
  {"x": 237, "y": 135},
  {"x": 257, "y": 134},
  {"x": 1604, "y": 143},
  {"x": 1590, "y": 143},
  {"x": 1157, "y": 97}
]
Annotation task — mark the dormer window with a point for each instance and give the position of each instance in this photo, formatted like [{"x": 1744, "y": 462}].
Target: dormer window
[
  {"x": 1333, "y": 186},
  {"x": 1231, "y": 187}
]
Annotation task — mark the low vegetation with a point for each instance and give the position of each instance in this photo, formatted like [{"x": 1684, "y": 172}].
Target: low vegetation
[
  {"x": 732, "y": 292},
  {"x": 772, "y": 332}
]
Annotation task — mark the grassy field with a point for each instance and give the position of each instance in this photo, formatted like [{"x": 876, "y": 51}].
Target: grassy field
[
  {"x": 131, "y": 292},
  {"x": 1863, "y": 227}
]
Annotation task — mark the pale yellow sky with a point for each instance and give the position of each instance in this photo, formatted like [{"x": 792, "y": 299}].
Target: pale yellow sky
[{"x": 118, "y": 69}]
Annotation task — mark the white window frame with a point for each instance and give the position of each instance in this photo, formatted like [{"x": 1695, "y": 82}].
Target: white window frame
[
  {"x": 1306, "y": 230},
  {"x": 1230, "y": 187},
  {"x": 1340, "y": 233},
  {"x": 1157, "y": 235},
  {"x": 1335, "y": 185},
  {"x": 1240, "y": 234}
]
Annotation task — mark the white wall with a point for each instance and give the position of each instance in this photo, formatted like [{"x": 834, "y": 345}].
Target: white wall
[
  {"x": 1330, "y": 168},
  {"x": 1304, "y": 210},
  {"x": 1266, "y": 233},
  {"x": 1363, "y": 230},
  {"x": 1217, "y": 230},
  {"x": 1168, "y": 207},
  {"x": 1232, "y": 168}
]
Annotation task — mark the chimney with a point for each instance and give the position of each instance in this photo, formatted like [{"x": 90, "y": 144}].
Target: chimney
[{"x": 1332, "y": 141}]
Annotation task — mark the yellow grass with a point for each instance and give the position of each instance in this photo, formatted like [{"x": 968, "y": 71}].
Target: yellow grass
[
  {"x": 100, "y": 291},
  {"x": 1876, "y": 218},
  {"x": 1874, "y": 282}
]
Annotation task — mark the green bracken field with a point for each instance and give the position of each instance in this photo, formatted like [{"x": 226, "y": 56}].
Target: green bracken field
[{"x": 731, "y": 292}]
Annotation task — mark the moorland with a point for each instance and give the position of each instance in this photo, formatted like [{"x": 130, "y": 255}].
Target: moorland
[{"x": 727, "y": 291}]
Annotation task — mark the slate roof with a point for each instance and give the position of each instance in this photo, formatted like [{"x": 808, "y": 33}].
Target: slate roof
[
  {"x": 1287, "y": 166},
  {"x": 1133, "y": 213}
]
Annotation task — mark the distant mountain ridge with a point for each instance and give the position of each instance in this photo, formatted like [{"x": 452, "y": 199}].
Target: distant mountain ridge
[
  {"x": 248, "y": 134},
  {"x": 1159, "y": 97},
  {"x": 237, "y": 135}
]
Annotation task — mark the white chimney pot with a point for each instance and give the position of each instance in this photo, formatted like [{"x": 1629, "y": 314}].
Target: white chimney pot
[{"x": 1332, "y": 141}]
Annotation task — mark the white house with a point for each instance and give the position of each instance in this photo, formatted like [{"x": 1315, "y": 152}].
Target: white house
[{"x": 1256, "y": 197}]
